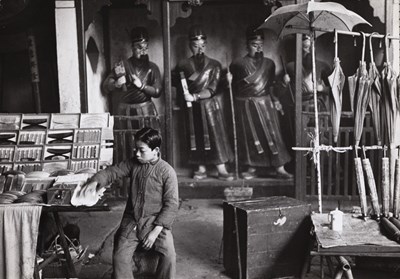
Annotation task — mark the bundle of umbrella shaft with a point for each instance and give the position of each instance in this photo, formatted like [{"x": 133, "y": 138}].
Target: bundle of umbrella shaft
[{"x": 379, "y": 93}]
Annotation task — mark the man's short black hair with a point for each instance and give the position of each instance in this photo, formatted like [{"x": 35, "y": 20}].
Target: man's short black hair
[{"x": 149, "y": 136}]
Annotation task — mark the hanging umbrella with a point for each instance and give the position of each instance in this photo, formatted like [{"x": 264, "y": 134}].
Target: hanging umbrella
[
  {"x": 374, "y": 106},
  {"x": 361, "y": 97},
  {"x": 361, "y": 102},
  {"x": 312, "y": 18},
  {"x": 336, "y": 81},
  {"x": 375, "y": 95},
  {"x": 352, "y": 81},
  {"x": 389, "y": 95}
]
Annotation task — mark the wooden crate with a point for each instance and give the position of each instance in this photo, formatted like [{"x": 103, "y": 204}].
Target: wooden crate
[{"x": 268, "y": 248}]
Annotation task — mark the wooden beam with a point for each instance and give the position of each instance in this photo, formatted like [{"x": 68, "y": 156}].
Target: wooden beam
[
  {"x": 167, "y": 82},
  {"x": 82, "y": 55},
  {"x": 300, "y": 188}
]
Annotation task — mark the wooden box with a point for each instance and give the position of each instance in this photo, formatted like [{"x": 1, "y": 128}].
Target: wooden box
[
  {"x": 60, "y": 194},
  {"x": 273, "y": 237}
]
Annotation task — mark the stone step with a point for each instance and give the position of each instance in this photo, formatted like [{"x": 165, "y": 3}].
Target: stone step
[{"x": 213, "y": 188}]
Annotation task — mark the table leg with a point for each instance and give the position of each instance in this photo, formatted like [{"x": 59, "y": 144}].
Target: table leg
[
  {"x": 306, "y": 266},
  {"x": 330, "y": 266},
  {"x": 70, "y": 269},
  {"x": 321, "y": 266},
  {"x": 36, "y": 270}
]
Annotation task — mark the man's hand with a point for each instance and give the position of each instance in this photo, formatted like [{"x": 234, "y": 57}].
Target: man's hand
[
  {"x": 87, "y": 194},
  {"x": 278, "y": 107},
  {"x": 120, "y": 81},
  {"x": 189, "y": 98},
  {"x": 151, "y": 237},
  {"x": 229, "y": 77},
  {"x": 136, "y": 81},
  {"x": 286, "y": 79}
]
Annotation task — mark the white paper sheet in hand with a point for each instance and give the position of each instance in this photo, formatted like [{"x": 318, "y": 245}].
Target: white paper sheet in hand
[{"x": 87, "y": 194}]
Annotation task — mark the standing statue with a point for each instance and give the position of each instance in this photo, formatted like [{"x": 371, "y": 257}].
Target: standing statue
[
  {"x": 286, "y": 90},
  {"x": 135, "y": 82},
  {"x": 323, "y": 70},
  {"x": 209, "y": 142},
  {"x": 259, "y": 135}
]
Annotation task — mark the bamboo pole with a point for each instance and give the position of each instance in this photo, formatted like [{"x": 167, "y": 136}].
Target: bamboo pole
[
  {"x": 385, "y": 186},
  {"x": 316, "y": 138},
  {"x": 235, "y": 143},
  {"x": 372, "y": 186},
  {"x": 396, "y": 194}
]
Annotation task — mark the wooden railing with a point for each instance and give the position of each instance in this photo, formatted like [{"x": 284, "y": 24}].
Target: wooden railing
[
  {"x": 337, "y": 169},
  {"x": 125, "y": 128}
]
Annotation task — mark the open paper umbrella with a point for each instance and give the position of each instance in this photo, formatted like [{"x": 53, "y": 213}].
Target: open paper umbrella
[
  {"x": 312, "y": 18},
  {"x": 336, "y": 81},
  {"x": 361, "y": 102}
]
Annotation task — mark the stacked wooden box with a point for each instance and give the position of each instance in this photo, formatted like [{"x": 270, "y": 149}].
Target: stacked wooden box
[{"x": 268, "y": 236}]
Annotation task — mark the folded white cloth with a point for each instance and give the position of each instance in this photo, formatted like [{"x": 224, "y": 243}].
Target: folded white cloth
[{"x": 87, "y": 194}]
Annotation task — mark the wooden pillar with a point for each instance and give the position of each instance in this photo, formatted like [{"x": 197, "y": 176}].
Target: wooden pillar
[
  {"x": 300, "y": 168},
  {"x": 167, "y": 81},
  {"x": 67, "y": 56},
  {"x": 392, "y": 27},
  {"x": 300, "y": 188}
]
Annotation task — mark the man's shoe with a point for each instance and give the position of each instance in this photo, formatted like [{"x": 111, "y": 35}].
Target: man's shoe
[
  {"x": 271, "y": 173},
  {"x": 225, "y": 176},
  {"x": 248, "y": 175},
  {"x": 284, "y": 175},
  {"x": 198, "y": 175}
]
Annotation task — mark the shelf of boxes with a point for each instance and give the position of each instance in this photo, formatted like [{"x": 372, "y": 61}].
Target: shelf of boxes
[{"x": 50, "y": 142}]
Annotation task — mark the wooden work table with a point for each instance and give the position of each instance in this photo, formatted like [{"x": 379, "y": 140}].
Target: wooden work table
[
  {"x": 359, "y": 237},
  {"x": 55, "y": 210}
]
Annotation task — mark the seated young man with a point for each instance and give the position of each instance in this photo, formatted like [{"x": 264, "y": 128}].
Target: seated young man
[{"x": 151, "y": 207}]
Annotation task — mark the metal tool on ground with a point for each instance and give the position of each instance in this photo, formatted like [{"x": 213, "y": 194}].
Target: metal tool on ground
[{"x": 344, "y": 267}]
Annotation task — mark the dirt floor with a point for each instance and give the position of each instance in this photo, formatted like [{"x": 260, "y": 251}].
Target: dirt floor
[{"x": 198, "y": 240}]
